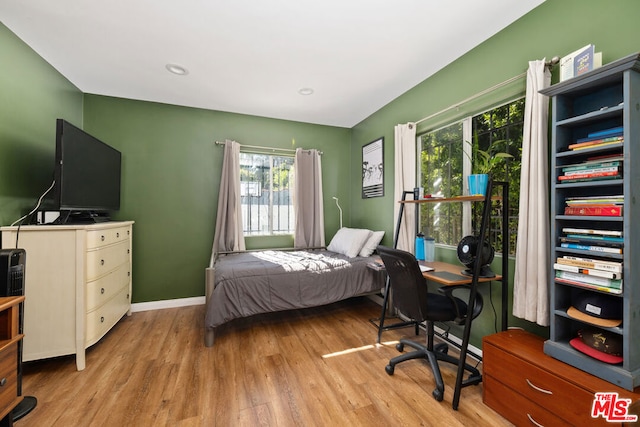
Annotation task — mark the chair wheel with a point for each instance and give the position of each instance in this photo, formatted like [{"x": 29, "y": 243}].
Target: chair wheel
[
  {"x": 438, "y": 395},
  {"x": 400, "y": 347},
  {"x": 389, "y": 369}
]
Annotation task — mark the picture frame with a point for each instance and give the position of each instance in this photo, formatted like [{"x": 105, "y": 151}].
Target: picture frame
[{"x": 373, "y": 169}]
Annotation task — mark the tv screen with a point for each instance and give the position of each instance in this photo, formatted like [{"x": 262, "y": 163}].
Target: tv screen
[{"x": 87, "y": 172}]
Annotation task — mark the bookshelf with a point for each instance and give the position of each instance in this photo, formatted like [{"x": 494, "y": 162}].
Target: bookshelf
[{"x": 601, "y": 104}]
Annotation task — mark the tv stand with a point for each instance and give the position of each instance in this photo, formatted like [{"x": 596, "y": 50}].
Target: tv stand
[{"x": 82, "y": 217}]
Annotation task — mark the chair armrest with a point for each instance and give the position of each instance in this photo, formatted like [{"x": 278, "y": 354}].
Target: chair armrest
[{"x": 477, "y": 306}]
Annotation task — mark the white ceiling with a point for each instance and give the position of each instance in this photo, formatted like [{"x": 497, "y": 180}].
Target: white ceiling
[{"x": 252, "y": 56}]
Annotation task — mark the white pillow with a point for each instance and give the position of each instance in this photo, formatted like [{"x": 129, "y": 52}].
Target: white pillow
[
  {"x": 349, "y": 241},
  {"x": 372, "y": 243}
]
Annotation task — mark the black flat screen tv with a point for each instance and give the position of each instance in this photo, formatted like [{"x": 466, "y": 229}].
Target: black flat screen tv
[{"x": 86, "y": 174}]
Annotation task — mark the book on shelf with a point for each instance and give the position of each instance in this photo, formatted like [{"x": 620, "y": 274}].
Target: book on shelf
[
  {"x": 617, "y": 199},
  {"x": 587, "y": 271},
  {"x": 579, "y": 62},
  {"x": 587, "y": 167},
  {"x": 593, "y": 248},
  {"x": 592, "y": 280},
  {"x": 590, "y": 176},
  {"x": 587, "y": 241},
  {"x": 606, "y": 132},
  {"x": 598, "y": 264},
  {"x": 596, "y": 145},
  {"x": 594, "y": 210},
  {"x": 595, "y": 237},
  {"x": 586, "y": 142},
  {"x": 589, "y": 286},
  {"x": 592, "y": 231}
]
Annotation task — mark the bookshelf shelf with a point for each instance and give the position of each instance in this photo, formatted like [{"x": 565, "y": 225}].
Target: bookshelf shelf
[{"x": 595, "y": 103}]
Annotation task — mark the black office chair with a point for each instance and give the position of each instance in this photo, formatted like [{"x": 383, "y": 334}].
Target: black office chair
[{"x": 411, "y": 298}]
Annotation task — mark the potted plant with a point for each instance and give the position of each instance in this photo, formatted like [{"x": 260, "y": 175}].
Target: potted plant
[{"x": 482, "y": 164}]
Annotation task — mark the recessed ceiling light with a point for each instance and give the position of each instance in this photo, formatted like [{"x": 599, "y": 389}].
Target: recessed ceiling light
[
  {"x": 305, "y": 91},
  {"x": 177, "y": 69}
]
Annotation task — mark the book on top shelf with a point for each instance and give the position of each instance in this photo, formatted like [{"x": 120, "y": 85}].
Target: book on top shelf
[
  {"x": 592, "y": 231},
  {"x": 592, "y": 248},
  {"x": 593, "y": 237},
  {"x": 589, "y": 142},
  {"x": 594, "y": 210},
  {"x": 579, "y": 240},
  {"x": 607, "y": 132}
]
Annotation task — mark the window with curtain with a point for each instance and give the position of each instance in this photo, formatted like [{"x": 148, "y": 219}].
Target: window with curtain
[
  {"x": 266, "y": 194},
  {"x": 442, "y": 157}
]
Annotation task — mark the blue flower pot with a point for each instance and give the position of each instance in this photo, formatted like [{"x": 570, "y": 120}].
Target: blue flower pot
[{"x": 478, "y": 184}]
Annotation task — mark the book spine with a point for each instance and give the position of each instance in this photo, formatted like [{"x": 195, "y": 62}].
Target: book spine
[
  {"x": 605, "y": 210},
  {"x": 590, "y": 166},
  {"x": 597, "y": 238},
  {"x": 592, "y": 231},
  {"x": 591, "y": 248},
  {"x": 591, "y": 263},
  {"x": 593, "y": 280},
  {"x": 591, "y": 272},
  {"x": 584, "y": 142},
  {"x": 599, "y": 144},
  {"x": 589, "y": 286},
  {"x": 606, "y": 132},
  {"x": 589, "y": 175}
]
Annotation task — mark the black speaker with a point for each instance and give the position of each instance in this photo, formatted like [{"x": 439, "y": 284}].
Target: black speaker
[{"x": 12, "y": 269}]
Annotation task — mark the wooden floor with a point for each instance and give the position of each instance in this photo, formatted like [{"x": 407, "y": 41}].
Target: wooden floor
[{"x": 314, "y": 367}]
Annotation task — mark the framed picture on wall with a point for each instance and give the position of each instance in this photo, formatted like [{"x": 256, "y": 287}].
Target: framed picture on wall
[{"x": 373, "y": 169}]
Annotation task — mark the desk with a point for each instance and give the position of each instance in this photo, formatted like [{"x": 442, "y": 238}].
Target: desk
[{"x": 439, "y": 267}]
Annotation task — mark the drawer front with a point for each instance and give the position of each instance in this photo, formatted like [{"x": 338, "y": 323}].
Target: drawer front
[
  {"x": 515, "y": 407},
  {"x": 107, "y": 236},
  {"x": 102, "y": 319},
  {"x": 103, "y": 260},
  {"x": 8, "y": 375},
  {"x": 103, "y": 289},
  {"x": 533, "y": 383}
]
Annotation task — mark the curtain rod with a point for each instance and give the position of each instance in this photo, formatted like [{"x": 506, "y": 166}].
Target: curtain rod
[
  {"x": 257, "y": 147},
  {"x": 548, "y": 64}
]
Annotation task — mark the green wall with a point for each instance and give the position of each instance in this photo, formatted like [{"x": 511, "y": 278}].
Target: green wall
[
  {"x": 32, "y": 96},
  {"x": 171, "y": 175},
  {"x": 555, "y": 28}
]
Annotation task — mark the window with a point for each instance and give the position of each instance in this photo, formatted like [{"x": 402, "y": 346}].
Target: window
[
  {"x": 445, "y": 162},
  {"x": 265, "y": 188}
]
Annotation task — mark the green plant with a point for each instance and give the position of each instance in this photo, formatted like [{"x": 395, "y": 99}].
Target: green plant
[{"x": 483, "y": 161}]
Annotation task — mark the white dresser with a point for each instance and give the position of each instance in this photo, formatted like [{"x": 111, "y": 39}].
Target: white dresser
[{"x": 77, "y": 284}]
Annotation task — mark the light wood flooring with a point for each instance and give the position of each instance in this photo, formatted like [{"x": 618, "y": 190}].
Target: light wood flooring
[{"x": 313, "y": 367}]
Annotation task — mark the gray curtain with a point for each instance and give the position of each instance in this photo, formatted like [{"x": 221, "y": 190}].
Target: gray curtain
[
  {"x": 531, "y": 277},
  {"x": 308, "y": 204},
  {"x": 228, "y": 235}
]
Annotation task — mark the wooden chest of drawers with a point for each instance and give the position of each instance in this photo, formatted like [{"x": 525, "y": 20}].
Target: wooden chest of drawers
[
  {"x": 528, "y": 387},
  {"x": 10, "y": 336},
  {"x": 77, "y": 284}
]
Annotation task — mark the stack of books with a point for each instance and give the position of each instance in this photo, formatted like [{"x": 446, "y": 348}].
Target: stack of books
[
  {"x": 594, "y": 205},
  {"x": 591, "y": 273},
  {"x": 593, "y": 169},
  {"x": 599, "y": 139}
]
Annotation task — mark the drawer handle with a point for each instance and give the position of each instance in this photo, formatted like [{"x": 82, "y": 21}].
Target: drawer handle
[
  {"x": 3, "y": 382},
  {"x": 541, "y": 390},
  {"x": 101, "y": 319},
  {"x": 117, "y": 234},
  {"x": 128, "y": 251},
  {"x": 101, "y": 262},
  {"x": 102, "y": 238},
  {"x": 102, "y": 290},
  {"x": 534, "y": 422}
]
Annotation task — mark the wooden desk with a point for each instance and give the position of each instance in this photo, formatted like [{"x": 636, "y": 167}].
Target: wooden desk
[{"x": 440, "y": 266}]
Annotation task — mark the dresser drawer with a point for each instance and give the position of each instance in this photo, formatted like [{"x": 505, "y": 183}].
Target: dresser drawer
[
  {"x": 103, "y": 289},
  {"x": 534, "y": 383},
  {"x": 107, "y": 236},
  {"x": 103, "y": 260},
  {"x": 515, "y": 407},
  {"x": 8, "y": 375},
  {"x": 103, "y": 318}
]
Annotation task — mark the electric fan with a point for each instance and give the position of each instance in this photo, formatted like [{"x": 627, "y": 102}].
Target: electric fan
[{"x": 468, "y": 250}]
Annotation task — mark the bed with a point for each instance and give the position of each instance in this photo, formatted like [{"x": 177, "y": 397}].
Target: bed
[{"x": 254, "y": 282}]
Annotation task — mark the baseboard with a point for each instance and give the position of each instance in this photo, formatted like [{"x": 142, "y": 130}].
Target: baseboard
[{"x": 170, "y": 303}]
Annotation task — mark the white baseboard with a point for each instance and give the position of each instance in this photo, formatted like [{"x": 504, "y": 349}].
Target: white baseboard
[{"x": 170, "y": 303}]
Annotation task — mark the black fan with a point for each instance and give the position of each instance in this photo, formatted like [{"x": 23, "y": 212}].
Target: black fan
[{"x": 468, "y": 249}]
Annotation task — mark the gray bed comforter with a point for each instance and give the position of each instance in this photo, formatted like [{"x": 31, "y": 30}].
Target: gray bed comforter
[{"x": 259, "y": 282}]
